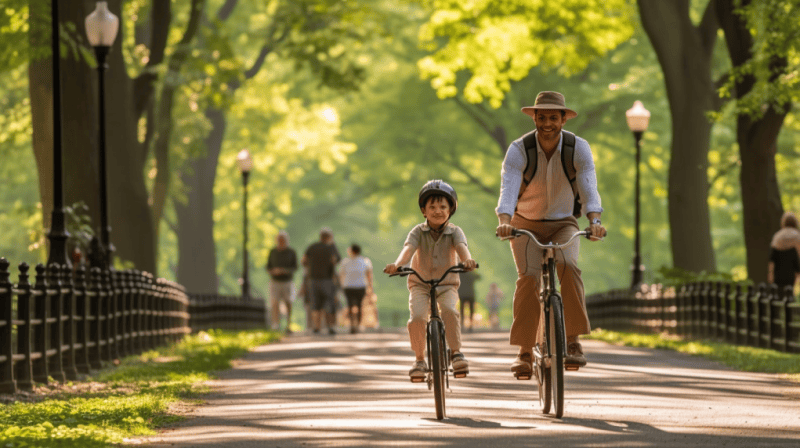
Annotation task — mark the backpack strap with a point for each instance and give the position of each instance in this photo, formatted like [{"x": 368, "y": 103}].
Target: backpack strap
[
  {"x": 568, "y": 163},
  {"x": 531, "y": 160}
]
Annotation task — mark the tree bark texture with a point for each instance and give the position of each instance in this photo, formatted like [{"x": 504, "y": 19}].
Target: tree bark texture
[
  {"x": 757, "y": 138},
  {"x": 684, "y": 52},
  {"x": 197, "y": 256}
]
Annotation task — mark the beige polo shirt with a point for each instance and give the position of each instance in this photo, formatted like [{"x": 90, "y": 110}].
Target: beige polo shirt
[{"x": 431, "y": 258}]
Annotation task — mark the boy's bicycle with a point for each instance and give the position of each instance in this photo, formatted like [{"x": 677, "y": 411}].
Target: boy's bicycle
[
  {"x": 438, "y": 353},
  {"x": 550, "y": 351}
]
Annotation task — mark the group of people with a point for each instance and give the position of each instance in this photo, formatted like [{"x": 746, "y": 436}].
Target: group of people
[
  {"x": 547, "y": 180},
  {"x": 321, "y": 282}
]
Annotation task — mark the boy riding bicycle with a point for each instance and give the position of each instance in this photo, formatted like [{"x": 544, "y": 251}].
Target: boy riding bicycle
[{"x": 432, "y": 247}]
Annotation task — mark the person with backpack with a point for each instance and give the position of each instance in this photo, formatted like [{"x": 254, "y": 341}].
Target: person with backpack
[{"x": 547, "y": 181}]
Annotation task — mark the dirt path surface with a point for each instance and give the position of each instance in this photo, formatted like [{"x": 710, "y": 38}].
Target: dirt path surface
[{"x": 353, "y": 391}]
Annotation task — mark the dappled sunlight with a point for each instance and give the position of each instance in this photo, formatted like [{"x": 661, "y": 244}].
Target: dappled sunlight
[{"x": 353, "y": 390}]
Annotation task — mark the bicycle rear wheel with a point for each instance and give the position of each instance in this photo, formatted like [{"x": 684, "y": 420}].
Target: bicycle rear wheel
[
  {"x": 438, "y": 365},
  {"x": 558, "y": 342}
]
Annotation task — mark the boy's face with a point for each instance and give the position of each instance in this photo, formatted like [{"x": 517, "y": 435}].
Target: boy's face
[{"x": 436, "y": 211}]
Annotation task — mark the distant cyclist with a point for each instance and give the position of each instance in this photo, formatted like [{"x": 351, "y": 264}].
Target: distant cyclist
[
  {"x": 542, "y": 201},
  {"x": 432, "y": 247}
]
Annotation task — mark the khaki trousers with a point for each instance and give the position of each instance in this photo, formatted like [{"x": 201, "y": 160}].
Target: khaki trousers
[
  {"x": 529, "y": 259},
  {"x": 420, "y": 306}
]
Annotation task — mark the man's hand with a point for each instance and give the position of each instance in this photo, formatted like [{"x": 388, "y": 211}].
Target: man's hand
[
  {"x": 469, "y": 264},
  {"x": 504, "y": 230},
  {"x": 390, "y": 268}
]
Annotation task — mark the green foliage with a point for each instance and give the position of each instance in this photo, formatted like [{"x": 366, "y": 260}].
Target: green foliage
[
  {"x": 130, "y": 400},
  {"x": 499, "y": 41},
  {"x": 775, "y": 61},
  {"x": 748, "y": 359}
]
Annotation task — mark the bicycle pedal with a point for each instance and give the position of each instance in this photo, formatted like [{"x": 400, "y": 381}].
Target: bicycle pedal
[
  {"x": 418, "y": 379},
  {"x": 522, "y": 376},
  {"x": 460, "y": 374},
  {"x": 571, "y": 367}
]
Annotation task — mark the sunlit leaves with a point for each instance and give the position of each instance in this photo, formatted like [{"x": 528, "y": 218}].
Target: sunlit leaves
[{"x": 496, "y": 42}]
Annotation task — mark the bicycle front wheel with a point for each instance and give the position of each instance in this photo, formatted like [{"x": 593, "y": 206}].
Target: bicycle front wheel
[
  {"x": 438, "y": 365},
  {"x": 558, "y": 343}
]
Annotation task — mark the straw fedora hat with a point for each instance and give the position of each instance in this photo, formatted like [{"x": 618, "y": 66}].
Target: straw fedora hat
[{"x": 551, "y": 101}]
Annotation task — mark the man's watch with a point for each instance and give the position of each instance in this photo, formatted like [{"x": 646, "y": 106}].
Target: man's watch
[{"x": 595, "y": 221}]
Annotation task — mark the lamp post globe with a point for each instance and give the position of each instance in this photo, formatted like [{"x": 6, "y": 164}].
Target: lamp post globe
[
  {"x": 638, "y": 119},
  {"x": 245, "y": 162},
  {"x": 101, "y": 30}
]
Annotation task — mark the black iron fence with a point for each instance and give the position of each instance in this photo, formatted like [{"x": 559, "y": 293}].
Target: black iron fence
[
  {"x": 226, "y": 312},
  {"x": 65, "y": 323},
  {"x": 759, "y": 316}
]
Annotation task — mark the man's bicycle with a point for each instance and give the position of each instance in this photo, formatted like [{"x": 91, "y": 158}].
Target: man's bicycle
[
  {"x": 438, "y": 353},
  {"x": 550, "y": 351}
]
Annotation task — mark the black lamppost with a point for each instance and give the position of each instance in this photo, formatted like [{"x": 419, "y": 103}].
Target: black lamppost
[
  {"x": 57, "y": 236},
  {"x": 101, "y": 29},
  {"x": 638, "y": 118},
  {"x": 245, "y": 165}
]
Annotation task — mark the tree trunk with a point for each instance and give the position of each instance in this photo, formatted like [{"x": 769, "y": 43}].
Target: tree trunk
[
  {"x": 129, "y": 213},
  {"x": 757, "y": 138},
  {"x": 197, "y": 257},
  {"x": 684, "y": 53}
]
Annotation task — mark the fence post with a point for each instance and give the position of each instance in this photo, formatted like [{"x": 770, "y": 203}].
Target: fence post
[
  {"x": 95, "y": 304},
  {"x": 41, "y": 333},
  {"x": 23, "y": 370},
  {"x": 722, "y": 311},
  {"x": 82, "y": 316},
  {"x": 772, "y": 297},
  {"x": 56, "y": 352},
  {"x": 68, "y": 294},
  {"x": 138, "y": 317},
  {"x": 111, "y": 303},
  {"x": 7, "y": 383},
  {"x": 122, "y": 312}
]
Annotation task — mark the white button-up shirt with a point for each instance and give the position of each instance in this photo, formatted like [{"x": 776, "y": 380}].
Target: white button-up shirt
[{"x": 549, "y": 196}]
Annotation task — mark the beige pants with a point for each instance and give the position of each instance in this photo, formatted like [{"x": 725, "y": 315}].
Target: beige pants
[
  {"x": 529, "y": 259},
  {"x": 420, "y": 306}
]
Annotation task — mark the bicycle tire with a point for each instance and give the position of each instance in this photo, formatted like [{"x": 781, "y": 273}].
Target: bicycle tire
[
  {"x": 437, "y": 366},
  {"x": 558, "y": 341},
  {"x": 543, "y": 380}
]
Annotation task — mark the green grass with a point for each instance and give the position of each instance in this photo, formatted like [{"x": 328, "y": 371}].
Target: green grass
[
  {"x": 749, "y": 359},
  {"x": 132, "y": 399}
]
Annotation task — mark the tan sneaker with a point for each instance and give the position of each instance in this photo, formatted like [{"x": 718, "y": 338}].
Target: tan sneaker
[
  {"x": 575, "y": 354},
  {"x": 460, "y": 365},
  {"x": 523, "y": 364},
  {"x": 417, "y": 372}
]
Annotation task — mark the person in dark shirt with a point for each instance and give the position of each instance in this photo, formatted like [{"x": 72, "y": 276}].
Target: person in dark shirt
[
  {"x": 320, "y": 260},
  {"x": 466, "y": 293},
  {"x": 281, "y": 264},
  {"x": 784, "y": 262}
]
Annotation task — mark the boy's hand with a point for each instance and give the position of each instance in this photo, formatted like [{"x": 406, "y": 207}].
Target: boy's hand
[
  {"x": 469, "y": 264},
  {"x": 390, "y": 268}
]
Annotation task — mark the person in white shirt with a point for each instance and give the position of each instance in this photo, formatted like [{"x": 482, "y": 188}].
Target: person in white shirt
[
  {"x": 545, "y": 207},
  {"x": 355, "y": 273}
]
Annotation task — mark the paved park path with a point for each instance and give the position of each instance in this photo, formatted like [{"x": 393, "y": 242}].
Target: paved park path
[{"x": 353, "y": 391}]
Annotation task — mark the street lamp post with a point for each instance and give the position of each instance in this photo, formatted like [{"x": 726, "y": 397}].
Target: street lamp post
[
  {"x": 245, "y": 165},
  {"x": 58, "y": 235},
  {"x": 638, "y": 118},
  {"x": 101, "y": 29}
]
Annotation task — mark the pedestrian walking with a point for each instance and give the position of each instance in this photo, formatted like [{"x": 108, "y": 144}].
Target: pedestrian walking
[
  {"x": 355, "y": 274},
  {"x": 783, "y": 268},
  {"x": 281, "y": 265},
  {"x": 493, "y": 299},
  {"x": 466, "y": 294},
  {"x": 321, "y": 258}
]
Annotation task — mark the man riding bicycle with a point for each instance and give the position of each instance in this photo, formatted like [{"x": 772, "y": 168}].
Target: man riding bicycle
[{"x": 539, "y": 195}]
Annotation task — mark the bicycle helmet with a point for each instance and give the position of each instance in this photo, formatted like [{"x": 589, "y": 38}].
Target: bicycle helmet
[{"x": 440, "y": 187}]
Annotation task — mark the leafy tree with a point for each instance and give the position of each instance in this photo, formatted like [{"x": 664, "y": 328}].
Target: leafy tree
[{"x": 761, "y": 39}]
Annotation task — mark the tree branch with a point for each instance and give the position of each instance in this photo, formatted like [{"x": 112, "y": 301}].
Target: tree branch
[{"x": 226, "y": 10}]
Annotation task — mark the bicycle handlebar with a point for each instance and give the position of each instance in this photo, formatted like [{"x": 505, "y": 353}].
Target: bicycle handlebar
[
  {"x": 551, "y": 245},
  {"x": 405, "y": 272}
]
